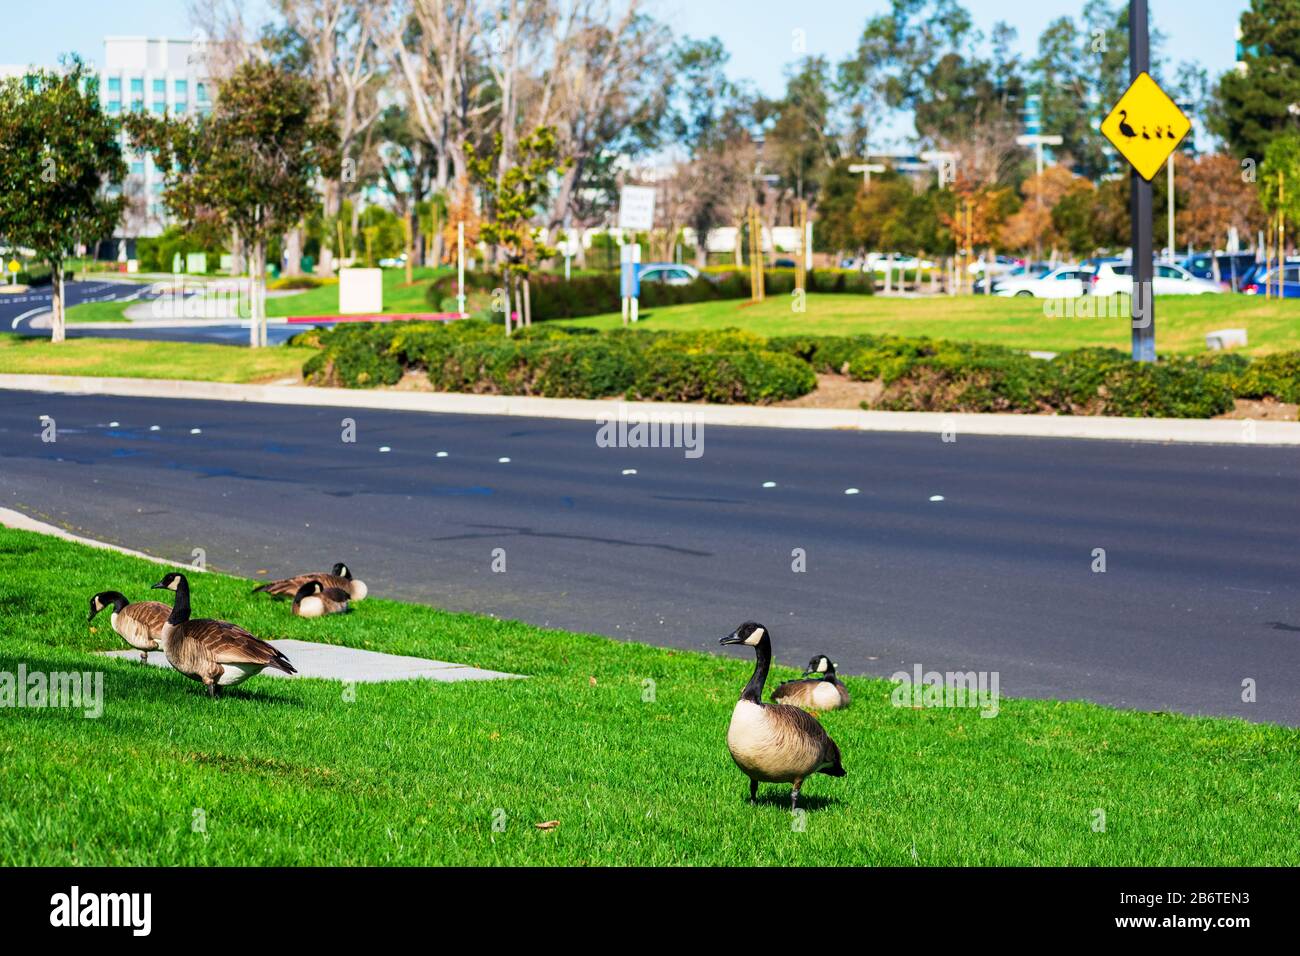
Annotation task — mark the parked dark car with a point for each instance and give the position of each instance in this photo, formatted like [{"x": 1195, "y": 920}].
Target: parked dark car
[
  {"x": 1233, "y": 266},
  {"x": 1261, "y": 277}
]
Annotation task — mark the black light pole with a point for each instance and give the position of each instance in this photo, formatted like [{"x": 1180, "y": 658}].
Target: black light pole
[{"x": 1144, "y": 312}]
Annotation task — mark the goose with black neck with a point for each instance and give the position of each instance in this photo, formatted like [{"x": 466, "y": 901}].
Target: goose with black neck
[
  {"x": 215, "y": 653},
  {"x": 775, "y": 743}
]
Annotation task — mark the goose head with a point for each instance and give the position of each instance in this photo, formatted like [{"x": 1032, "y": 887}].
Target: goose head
[
  {"x": 171, "y": 581},
  {"x": 308, "y": 589},
  {"x": 343, "y": 571},
  {"x": 821, "y": 664},
  {"x": 100, "y": 601},
  {"x": 749, "y": 634}
]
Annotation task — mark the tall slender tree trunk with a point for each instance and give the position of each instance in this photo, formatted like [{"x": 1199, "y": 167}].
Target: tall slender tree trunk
[
  {"x": 57, "y": 319},
  {"x": 528, "y": 304},
  {"x": 257, "y": 295},
  {"x": 293, "y": 251}
]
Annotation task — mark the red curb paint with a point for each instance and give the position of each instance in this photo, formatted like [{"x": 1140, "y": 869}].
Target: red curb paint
[{"x": 400, "y": 317}]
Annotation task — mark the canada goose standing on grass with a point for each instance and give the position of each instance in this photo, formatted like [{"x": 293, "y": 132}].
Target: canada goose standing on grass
[
  {"x": 315, "y": 600},
  {"x": 775, "y": 743},
  {"x": 341, "y": 578},
  {"x": 825, "y": 692},
  {"x": 140, "y": 625},
  {"x": 216, "y": 653}
]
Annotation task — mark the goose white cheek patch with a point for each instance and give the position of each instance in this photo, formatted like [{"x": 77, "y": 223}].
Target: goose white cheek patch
[{"x": 755, "y": 637}]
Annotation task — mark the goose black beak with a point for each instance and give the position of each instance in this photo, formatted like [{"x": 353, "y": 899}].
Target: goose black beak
[
  {"x": 732, "y": 638},
  {"x": 160, "y": 586}
]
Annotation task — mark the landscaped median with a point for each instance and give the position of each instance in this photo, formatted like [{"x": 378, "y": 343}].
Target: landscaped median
[
  {"x": 305, "y": 771},
  {"x": 128, "y": 358},
  {"x": 733, "y": 366}
]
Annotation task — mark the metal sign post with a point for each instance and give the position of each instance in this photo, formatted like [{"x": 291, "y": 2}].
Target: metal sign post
[
  {"x": 630, "y": 280},
  {"x": 460, "y": 271},
  {"x": 1143, "y": 299}
]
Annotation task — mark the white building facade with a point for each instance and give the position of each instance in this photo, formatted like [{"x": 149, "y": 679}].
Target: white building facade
[{"x": 163, "y": 77}]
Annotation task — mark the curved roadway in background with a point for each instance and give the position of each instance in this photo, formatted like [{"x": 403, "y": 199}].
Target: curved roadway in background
[{"x": 1200, "y": 593}]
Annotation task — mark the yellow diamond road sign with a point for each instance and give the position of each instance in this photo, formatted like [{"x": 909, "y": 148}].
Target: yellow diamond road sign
[{"x": 1146, "y": 125}]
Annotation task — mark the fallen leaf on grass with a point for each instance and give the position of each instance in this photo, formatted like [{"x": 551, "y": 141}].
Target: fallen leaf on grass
[
  {"x": 592, "y": 681},
  {"x": 548, "y": 825}
]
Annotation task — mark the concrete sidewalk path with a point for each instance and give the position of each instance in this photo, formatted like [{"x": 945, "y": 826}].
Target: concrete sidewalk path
[{"x": 332, "y": 662}]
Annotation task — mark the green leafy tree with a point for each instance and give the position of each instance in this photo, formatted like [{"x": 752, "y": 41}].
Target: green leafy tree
[
  {"x": 1279, "y": 180},
  {"x": 250, "y": 165},
  {"x": 512, "y": 203},
  {"x": 63, "y": 169},
  {"x": 1258, "y": 103}
]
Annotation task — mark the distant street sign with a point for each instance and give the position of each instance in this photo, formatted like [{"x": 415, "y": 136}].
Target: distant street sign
[
  {"x": 1146, "y": 126},
  {"x": 636, "y": 208},
  {"x": 13, "y": 265}
]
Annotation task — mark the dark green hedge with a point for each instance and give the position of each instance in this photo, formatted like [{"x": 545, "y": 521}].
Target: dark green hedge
[
  {"x": 474, "y": 356},
  {"x": 731, "y": 365},
  {"x": 552, "y": 297}
]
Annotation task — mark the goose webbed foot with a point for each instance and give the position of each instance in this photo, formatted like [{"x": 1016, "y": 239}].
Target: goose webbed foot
[
  {"x": 214, "y": 691},
  {"x": 753, "y": 792},
  {"x": 144, "y": 656},
  {"x": 794, "y": 796}
]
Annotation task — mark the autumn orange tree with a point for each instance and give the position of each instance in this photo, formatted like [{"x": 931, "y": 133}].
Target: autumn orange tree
[{"x": 1220, "y": 196}]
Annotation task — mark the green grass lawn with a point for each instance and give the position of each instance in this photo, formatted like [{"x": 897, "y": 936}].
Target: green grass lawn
[
  {"x": 291, "y": 772},
  {"x": 398, "y": 298},
  {"x": 123, "y": 358},
  {"x": 1181, "y": 321}
]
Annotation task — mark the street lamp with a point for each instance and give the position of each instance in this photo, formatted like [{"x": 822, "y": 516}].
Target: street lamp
[
  {"x": 866, "y": 169},
  {"x": 1038, "y": 142}
]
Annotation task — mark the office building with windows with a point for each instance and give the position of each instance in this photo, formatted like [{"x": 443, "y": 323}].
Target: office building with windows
[{"x": 159, "y": 76}]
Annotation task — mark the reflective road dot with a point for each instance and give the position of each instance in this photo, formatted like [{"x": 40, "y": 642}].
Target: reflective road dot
[
  {"x": 769, "y": 484},
  {"x": 504, "y": 461},
  {"x": 936, "y": 497},
  {"x": 155, "y": 428},
  {"x": 196, "y": 431},
  {"x": 114, "y": 424},
  {"x": 384, "y": 448},
  {"x": 441, "y": 454},
  {"x": 629, "y": 471},
  {"x": 850, "y": 491}
]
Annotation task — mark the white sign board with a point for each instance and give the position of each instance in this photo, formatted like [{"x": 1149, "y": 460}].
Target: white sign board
[
  {"x": 636, "y": 208},
  {"x": 361, "y": 291}
]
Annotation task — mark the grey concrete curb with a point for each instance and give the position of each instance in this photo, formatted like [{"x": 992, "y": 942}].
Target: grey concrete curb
[
  {"x": 21, "y": 522},
  {"x": 1217, "y": 432}
]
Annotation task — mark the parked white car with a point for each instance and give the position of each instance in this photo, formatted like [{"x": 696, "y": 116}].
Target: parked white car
[
  {"x": 1113, "y": 278},
  {"x": 668, "y": 273},
  {"x": 1067, "y": 282}
]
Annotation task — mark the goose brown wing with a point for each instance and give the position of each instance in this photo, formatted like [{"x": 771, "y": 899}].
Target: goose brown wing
[
  {"x": 288, "y": 587},
  {"x": 151, "y": 615},
  {"x": 230, "y": 644},
  {"x": 810, "y": 727},
  {"x": 794, "y": 692}
]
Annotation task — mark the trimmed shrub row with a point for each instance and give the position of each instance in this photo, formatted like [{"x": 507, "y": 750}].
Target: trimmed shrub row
[
  {"x": 551, "y": 297},
  {"x": 734, "y": 366},
  {"x": 473, "y": 356}
]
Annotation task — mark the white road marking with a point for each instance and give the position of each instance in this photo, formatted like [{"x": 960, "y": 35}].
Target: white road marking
[
  {"x": 441, "y": 454},
  {"x": 769, "y": 484},
  {"x": 504, "y": 461},
  {"x": 27, "y": 315},
  {"x": 851, "y": 491},
  {"x": 384, "y": 448},
  {"x": 936, "y": 497},
  {"x": 629, "y": 471}
]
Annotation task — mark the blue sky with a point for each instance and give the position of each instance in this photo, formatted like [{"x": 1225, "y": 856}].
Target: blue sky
[{"x": 757, "y": 32}]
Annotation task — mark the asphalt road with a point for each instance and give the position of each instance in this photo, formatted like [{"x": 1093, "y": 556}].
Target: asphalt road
[
  {"x": 18, "y": 309},
  {"x": 1201, "y": 589}
]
